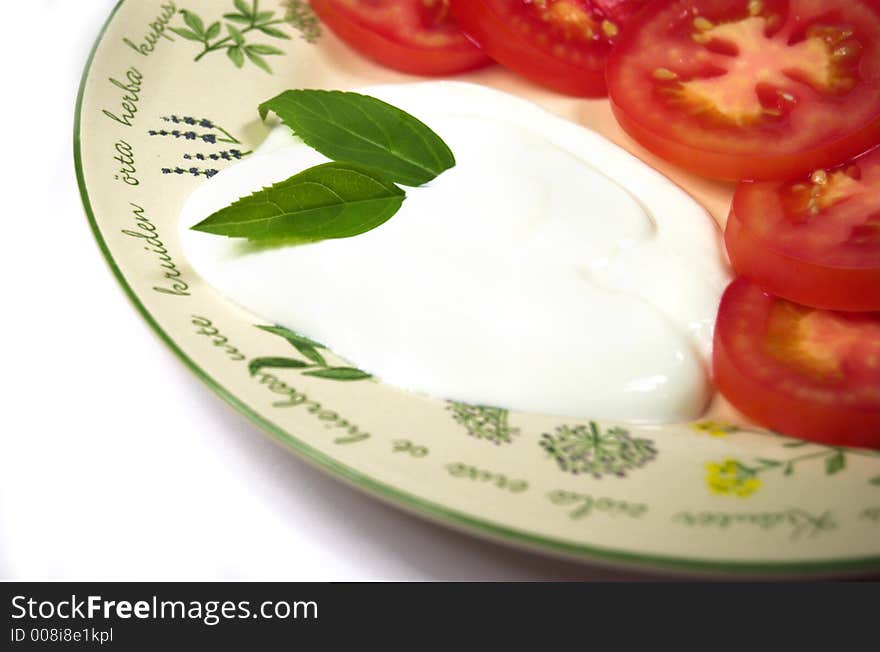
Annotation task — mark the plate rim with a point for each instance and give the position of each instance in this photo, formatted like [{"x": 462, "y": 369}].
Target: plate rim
[{"x": 410, "y": 503}]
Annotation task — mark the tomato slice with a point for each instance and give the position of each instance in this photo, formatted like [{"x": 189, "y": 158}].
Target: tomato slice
[
  {"x": 561, "y": 44},
  {"x": 750, "y": 89},
  {"x": 814, "y": 240},
  {"x": 415, "y": 36},
  {"x": 813, "y": 374}
]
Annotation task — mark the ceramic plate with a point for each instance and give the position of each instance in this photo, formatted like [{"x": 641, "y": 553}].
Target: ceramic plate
[{"x": 158, "y": 113}]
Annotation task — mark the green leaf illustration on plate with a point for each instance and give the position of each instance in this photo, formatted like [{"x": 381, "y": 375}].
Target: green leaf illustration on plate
[
  {"x": 338, "y": 373},
  {"x": 244, "y": 8},
  {"x": 481, "y": 422},
  {"x": 258, "y": 364},
  {"x": 251, "y": 53},
  {"x": 194, "y": 22},
  {"x": 187, "y": 34},
  {"x": 246, "y": 21},
  {"x": 235, "y": 34},
  {"x": 835, "y": 463},
  {"x": 236, "y": 55},
  {"x": 592, "y": 451},
  {"x": 309, "y": 348},
  {"x": 316, "y": 365}
]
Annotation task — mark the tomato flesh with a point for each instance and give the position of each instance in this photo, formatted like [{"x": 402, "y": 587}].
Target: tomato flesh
[
  {"x": 561, "y": 44},
  {"x": 813, "y": 240},
  {"x": 813, "y": 374},
  {"x": 750, "y": 89},
  {"x": 414, "y": 36}
]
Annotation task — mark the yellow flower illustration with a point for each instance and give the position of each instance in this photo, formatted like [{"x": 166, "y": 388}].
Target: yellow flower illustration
[
  {"x": 731, "y": 478},
  {"x": 714, "y": 428}
]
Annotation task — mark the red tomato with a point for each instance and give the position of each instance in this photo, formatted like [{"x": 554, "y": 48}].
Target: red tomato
[
  {"x": 815, "y": 240},
  {"x": 561, "y": 44},
  {"x": 750, "y": 89},
  {"x": 414, "y": 36},
  {"x": 813, "y": 374}
]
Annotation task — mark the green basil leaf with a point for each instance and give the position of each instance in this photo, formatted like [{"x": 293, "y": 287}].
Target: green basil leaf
[
  {"x": 338, "y": 373},
  {"x": 258, "y": 364},
  {"x": 362, "y": 129},
  {"x": 263, "y": 16},
  {"x": 194, "y": 22},
  {"x": 875, "y": 481},
  {"x": 236, "y": 55},
  {"x": 333, "y": 200}
]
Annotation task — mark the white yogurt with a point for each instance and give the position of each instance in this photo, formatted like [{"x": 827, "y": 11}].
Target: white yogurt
[{"x": 549, "y": 271}]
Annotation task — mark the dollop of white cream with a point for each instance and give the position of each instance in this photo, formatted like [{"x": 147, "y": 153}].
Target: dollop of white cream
[{"x": 548, "y": 271}]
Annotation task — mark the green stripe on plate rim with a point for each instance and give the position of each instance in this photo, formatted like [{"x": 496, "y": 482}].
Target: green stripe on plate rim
[{"x": 414, "y": 504}]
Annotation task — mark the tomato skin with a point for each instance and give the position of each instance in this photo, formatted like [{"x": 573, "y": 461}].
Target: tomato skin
[
  {"x": 497, "y": 37},
  {"x": 813, "y": 239},
  {"x": 745, "y": 152},
  {"x": 730, "y": 167},
  {"x": 787, "y": 415},
  {"x": 799, "y": 280},
  {"x": 396, "y": 54},
  {"x": 742, "y": 316}
]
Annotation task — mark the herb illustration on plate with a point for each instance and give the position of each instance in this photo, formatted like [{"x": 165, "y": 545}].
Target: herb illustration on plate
[
  {"x": 482, "y": 422},
  {"x": 202, "y": 132},
  {"x": 734, "y": 477},
  {"x": 234, "y": 33},
  {"x": 315, "y": 364},
  {"x": 589, "y": 450}
]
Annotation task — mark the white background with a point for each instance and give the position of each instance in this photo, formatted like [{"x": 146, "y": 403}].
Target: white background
[{"x": 115, "y": 461}]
